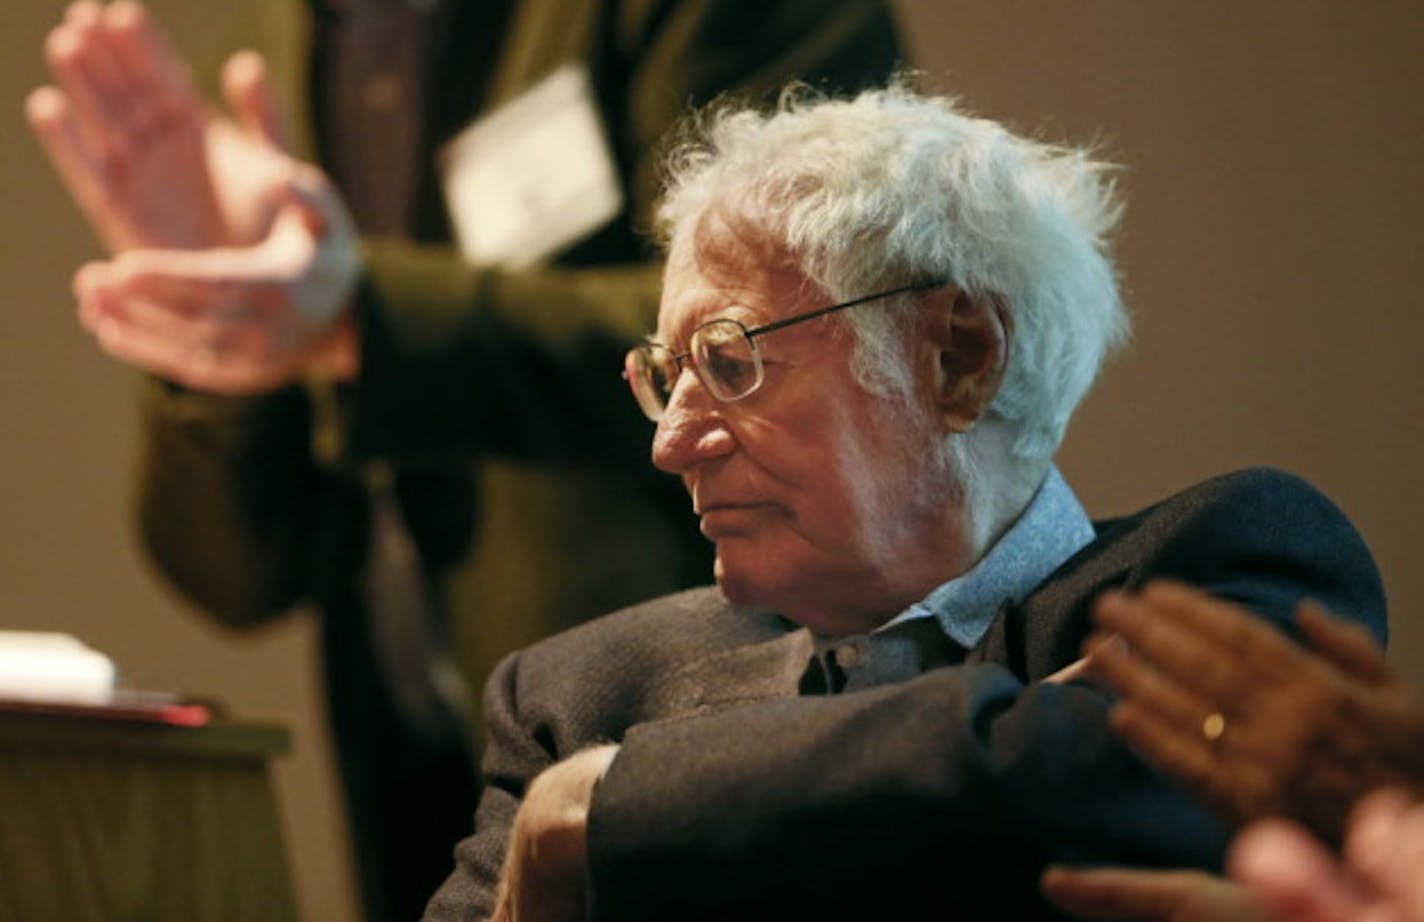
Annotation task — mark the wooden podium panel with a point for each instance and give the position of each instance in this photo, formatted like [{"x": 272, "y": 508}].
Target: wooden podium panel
[{"x": 106, "y": 820}]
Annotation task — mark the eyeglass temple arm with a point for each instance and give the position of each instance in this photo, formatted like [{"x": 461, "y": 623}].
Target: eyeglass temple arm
[{"x": 820, "y": 312}]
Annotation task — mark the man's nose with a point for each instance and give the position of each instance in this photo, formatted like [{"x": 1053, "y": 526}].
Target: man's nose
[{"x": 692, "y": 429}]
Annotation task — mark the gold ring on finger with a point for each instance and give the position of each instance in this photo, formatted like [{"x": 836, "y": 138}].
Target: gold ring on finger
[{"x": 1213, "y": 727}]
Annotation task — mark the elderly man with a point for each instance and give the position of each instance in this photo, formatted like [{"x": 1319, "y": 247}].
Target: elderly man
[{"x": 878, "y": 316}]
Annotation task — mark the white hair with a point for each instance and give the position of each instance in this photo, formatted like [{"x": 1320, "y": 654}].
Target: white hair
[{"x": 892, "y": 188}]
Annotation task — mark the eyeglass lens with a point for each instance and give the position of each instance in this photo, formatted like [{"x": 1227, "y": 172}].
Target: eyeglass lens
[
  {"x": 726, "y": 359},
  {"x": 723, "y": 357}
]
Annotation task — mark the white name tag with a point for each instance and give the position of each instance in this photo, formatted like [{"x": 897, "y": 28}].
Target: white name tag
[{"x": 533, "y": 176}]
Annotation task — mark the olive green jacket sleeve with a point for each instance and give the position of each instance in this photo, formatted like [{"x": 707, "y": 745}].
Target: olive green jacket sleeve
[
  {"x": 527, "y": 364},
  {"x": 227, "y": 497}
]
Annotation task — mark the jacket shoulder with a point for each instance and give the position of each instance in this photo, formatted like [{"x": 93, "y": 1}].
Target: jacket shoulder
[{"x": 1260, "y": 537}]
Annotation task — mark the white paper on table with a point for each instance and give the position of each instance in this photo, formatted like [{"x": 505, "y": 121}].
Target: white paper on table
[{"x": 40, "y": 666}]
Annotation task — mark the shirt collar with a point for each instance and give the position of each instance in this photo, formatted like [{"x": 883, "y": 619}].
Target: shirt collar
[{"x": 1051, "y": 529}]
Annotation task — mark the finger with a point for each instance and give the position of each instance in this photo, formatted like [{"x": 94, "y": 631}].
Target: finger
[
  {"x": 178, "y": 282},
  {"x": 1118, "y": 893},
  {"x": 186, "y": 324},
  {"x": 89, "y": 276},
  {"x": 242, "y": 288},
  {"x": 159, "y": 84},
  {"x": 1156, "y": 639},
  {"x": 1229, "y": 625},
  {"x": 1374, "y": 836},
  {"x": 103, "y": 62},
  {"x": 1165, "y": 723},
  {"x": 194, "y": 311},
  {"x": 1123, "y": 669},
  {"x": 89, "y": 286},
  {"x": 219, "y": 369},
  {"x": 1211, "y": 647},
  {"x": 84, "y": 68},
  {"x": 166, "y": 273},
  {"x": 254, "y": 276},
  {"x": 51, "y": 118},
  {"x": 1178, "y": 749},
  {"x": 81, "y": 11},
  {"x": 1344, "y": 643},
  {"x": 154, "y": 66},
  {"x": 247, "y": 316},
  {"x": 1402, "y": 878},
  {"x": 1292, "y": 873},
  {"x": 82, "y": 169},
  {"x": 103, "y": 302},
  {"x": 250, "y": 96},
  {"x": 121, "y": 338},
  {"x": 1075, "y": 670},
  {"x": 62, "y": 48},
  {"x": 1092, "y": 648}
]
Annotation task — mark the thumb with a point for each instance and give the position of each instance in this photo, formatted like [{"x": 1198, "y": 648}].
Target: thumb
[{"x": 247, "y": 89}]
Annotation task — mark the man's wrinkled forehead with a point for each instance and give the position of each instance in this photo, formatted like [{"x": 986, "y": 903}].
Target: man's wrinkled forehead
[
  {"x": 730, "y": 251},
  {"x": 729, "y": 239}
]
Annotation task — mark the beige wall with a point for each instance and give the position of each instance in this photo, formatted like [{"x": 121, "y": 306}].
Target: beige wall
[{"x": 1273, "y": 152}]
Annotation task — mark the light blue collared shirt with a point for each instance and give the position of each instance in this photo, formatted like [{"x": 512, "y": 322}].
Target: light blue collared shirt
[{"x": 1051, "y": 529}]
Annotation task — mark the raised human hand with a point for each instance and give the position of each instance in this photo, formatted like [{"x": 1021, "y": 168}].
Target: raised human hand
[
  {"x": 149, "y": 162},
  {"x": 1253, "y": 723},
  {"x": 236, "y": 320}
]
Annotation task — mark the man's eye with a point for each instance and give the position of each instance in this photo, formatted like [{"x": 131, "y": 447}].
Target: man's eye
[{"x": 734, "y": 371}]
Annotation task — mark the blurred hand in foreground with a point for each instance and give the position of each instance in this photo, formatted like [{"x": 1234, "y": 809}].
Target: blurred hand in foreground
[
  {"x": 1377, "y": 879},
  {"x": 234, "y": 262},
  {"x": 1250, "y": 721},
  {"x": 145, "y": 157},
  {"x": 236, "y": 320}
]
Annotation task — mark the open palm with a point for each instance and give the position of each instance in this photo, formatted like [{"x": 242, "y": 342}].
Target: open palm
[{"x": 147, "y": 159}]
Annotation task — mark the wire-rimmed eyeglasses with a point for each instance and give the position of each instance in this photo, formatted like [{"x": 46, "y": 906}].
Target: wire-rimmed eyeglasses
[{"x": 723, "y": 354}]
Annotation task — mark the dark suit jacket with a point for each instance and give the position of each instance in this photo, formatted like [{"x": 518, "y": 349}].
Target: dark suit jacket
[{"x": 936, "y": 792}]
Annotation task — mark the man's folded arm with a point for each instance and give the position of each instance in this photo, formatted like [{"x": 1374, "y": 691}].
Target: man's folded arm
[
  {"x": 937, "y": 789},
  {"x": 966, "y": 774}
]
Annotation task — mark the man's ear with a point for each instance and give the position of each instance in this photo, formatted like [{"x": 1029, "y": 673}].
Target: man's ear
[{"x": 969, "y": 338}]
